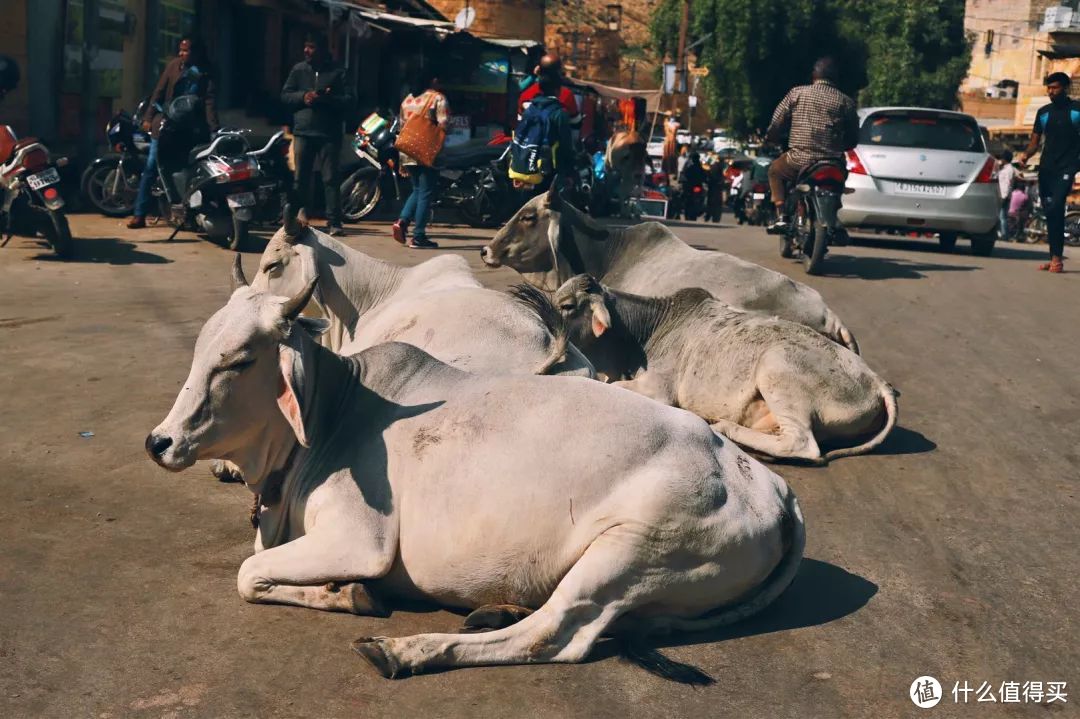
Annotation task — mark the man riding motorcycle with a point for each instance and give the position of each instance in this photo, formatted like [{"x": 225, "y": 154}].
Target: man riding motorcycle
[{"x": 820, "y": 123}]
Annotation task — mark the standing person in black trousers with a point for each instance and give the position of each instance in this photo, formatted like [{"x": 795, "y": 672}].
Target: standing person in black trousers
[
  {"x": 317, "y": 92},
  {"x": 1058, "y": 125}
]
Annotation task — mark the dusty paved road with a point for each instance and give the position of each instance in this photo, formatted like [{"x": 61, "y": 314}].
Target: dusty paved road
[{"x": 951, "y": 552}]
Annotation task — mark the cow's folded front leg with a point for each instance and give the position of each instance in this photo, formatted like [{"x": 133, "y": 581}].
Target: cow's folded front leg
[{"x": 312, "y": 572}]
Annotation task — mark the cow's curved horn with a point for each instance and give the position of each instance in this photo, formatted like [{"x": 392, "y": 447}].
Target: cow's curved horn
[
  {"x": 238, "y": 279},
  {"x": 292, "y": 223},
  {"x": 290, "y": 309}
]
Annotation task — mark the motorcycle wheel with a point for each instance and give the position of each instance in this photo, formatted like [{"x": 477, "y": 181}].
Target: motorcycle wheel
[
  {"x": 360, "y": 194},
  {"x": 57, "y": 233},
  {"x": 1035, "y": 231},
  {"x": 815, "y": 258},
  {"x": 106, "y": 188},
  {"x": 483, "y": 212},
  {"x": 238, "y": 241},
  {"x": 1072, "y": 229}
]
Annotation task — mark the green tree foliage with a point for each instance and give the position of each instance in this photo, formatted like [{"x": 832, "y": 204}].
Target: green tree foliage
[
  {"x": 918, "y": 52},
  {"x": 889, "y": 51}
]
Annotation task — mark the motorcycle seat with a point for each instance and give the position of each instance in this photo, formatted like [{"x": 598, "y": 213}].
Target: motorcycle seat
[
  {"x": 222, "y": 145},
  {"x": 468, "y": 154}
]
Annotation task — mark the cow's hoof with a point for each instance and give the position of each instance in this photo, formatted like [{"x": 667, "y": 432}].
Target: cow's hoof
[
  {"x": 494, "y": 616},
  {"x": 225, "y": 472},
  {"x": 371, "y": 648}
]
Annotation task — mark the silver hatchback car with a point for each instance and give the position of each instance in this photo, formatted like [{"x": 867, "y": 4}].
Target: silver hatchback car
[{"x": 923, "y": 170}]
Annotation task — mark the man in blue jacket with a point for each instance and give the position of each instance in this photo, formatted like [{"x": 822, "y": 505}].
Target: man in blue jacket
[{"x": 319, "y": 96}]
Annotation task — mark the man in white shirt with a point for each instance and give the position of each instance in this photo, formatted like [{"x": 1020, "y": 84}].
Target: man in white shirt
[{"x": 1006, "y": 180}]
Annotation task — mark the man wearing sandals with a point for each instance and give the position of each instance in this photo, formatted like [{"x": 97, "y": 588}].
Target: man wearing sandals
[{"x": 1057, "y": 125}]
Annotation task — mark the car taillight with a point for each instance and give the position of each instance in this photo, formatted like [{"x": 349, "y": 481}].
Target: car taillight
[
  {"x": 854, "y": 164},
  {"x": 697, "y": 189},
  {"x": 987, "y": 172},
  {"x": 35, "y": 159},
  {"x": 829, "y": 173}
]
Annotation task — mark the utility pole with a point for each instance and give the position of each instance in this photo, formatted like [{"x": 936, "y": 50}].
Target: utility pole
[
  {"x": 680, "y": 60},
  {"x": 88, "y": 110}
]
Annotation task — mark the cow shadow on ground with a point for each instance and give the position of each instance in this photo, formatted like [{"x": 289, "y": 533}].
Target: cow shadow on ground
[
  {"x": 885, "y": 268},
  {"x": 905, "y": 441},
  {"x": 821, "y": 593},
  {"x": 104, "y": 250}
]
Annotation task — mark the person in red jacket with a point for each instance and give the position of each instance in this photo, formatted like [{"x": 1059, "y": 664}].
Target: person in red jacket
[{"x": 551, "y": 65}]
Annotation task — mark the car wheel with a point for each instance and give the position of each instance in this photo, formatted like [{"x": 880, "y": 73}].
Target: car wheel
[
  {"x": 983, "y": 246},
  {"x": 947, "y": 241}
]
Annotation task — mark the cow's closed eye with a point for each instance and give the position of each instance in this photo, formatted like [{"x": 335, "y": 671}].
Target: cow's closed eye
[
  {"x": 529, "y": 219},
  {"x": 274, "y": 268},
  {"x": 568, "y": 307},
  {"x": 236, "y": 365}
]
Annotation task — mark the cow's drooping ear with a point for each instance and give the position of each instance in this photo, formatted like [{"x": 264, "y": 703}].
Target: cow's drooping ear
[
  {"x": 289, "y": 399},
  {"x": 601, "y": 318}
]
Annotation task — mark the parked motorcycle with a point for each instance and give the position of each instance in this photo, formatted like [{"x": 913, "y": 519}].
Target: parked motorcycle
[
  {"x": 1032, "y": 228},
  {"x": 218, "y": 189},
  {"x": 30, "y": 199},
  {"x": 472, "y": 177},
  {"x": 111, "y": 183},
  {"x": 813, "y": 204}
]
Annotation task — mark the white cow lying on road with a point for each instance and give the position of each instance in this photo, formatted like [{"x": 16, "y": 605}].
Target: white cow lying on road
[
  {"x": 771, "y": 385},
  {"x": 548, "y": 241},
  {"x": 584, "y": 508},
  {"x": 437, "y": 305}
]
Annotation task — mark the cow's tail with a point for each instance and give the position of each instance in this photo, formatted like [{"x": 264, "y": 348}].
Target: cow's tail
[
  {"x": 888, "y": 396},
  {"x": 539, "y": 304},
  {"x": 793, "y": 543},
  {"x": 837, "y": 332}
]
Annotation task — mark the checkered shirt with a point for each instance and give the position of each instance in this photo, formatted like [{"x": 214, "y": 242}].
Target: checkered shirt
[{"x": 820, "y": 122}]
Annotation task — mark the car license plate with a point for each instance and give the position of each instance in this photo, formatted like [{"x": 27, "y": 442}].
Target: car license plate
[
  {"x": 244, "y": 199},
  {"x": 914, "y": 188},
  {"x": 759, "y": 195},
  {"x": 43, "y": 179}
]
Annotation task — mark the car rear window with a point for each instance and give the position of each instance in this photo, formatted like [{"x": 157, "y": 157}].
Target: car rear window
[{"x": 924, "y": 131}]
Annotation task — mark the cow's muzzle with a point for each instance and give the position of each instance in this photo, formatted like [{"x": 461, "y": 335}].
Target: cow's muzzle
[
  {"x": 158, "y": 446},
  {"x": 489, "y": 257}
]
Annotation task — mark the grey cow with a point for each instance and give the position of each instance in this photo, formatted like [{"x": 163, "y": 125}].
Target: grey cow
[
  {"x": 549, "y": 240},
  {"x": 391, "y": 475},
  {"x": 437, "y": 305},
  {"x": 771, "y": 385}
]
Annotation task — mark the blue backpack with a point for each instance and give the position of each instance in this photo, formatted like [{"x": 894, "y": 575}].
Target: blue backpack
[{"x": 532, "y": 153}]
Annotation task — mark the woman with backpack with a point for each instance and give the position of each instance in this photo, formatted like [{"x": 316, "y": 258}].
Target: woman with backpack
[{"x": 426, "y": 98}]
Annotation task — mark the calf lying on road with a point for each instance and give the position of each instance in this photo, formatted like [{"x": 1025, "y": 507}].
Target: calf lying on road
[
  {"x": 549, "y": 240},
  {"x": 774, "y": 386},
  {"x": 389, "y": 474}
]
